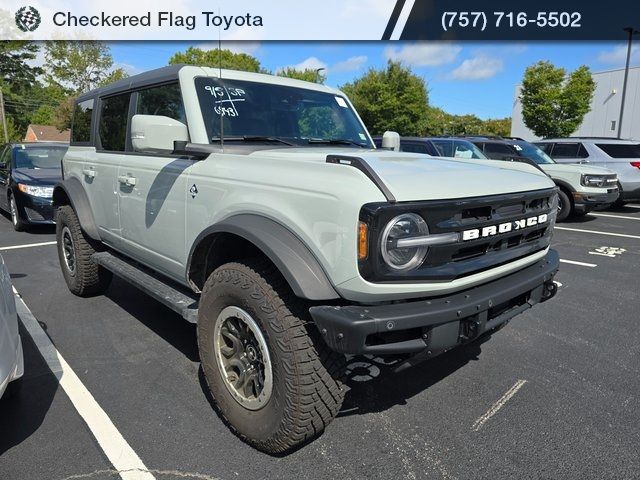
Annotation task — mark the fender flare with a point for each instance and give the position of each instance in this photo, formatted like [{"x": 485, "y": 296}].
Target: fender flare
[
  {"x": 289, "y": 254},
  {"x": 72, "y": 189},
  {"x": 565, "y": 185}
]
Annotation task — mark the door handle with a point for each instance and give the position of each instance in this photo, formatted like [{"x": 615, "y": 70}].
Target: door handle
[
  {"x": 126, "y": 180},
  {"x": 89, "y": 172}
]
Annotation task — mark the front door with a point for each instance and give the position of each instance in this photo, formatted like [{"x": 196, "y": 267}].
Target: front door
[{"x": 152, "y": 190}]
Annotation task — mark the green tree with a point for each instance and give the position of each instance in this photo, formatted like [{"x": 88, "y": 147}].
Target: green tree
[
  {"x": 222, "y": 58},
  {"x": 497, "y": 126},
  {"x": 78, "y": 66},
  {"x": 308, "y": 74},
  {"x": 554, "y": 104},
  {"x": 392, "y": 98},
  {"x": 15, "y": 71}
]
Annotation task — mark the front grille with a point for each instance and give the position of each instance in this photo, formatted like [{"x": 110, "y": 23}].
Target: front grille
[{"x": 448, "y": 262}]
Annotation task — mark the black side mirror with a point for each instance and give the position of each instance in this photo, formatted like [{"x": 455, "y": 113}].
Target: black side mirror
[{"x": 199, "y": 151}]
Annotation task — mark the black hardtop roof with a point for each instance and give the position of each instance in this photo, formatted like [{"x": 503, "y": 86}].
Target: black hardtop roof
[{"x": 159, "y": 75}]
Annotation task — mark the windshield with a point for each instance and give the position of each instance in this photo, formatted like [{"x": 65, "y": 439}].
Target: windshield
[
  {"x": 532, "y": 152},
  {"x": 255, "y": 111},
  {"x": 28, "y": 157}
]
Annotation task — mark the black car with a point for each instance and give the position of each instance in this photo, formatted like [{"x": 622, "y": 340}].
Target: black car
[
  {"x": 437, "y": 146},
  {"x": 28, "y": 173}
]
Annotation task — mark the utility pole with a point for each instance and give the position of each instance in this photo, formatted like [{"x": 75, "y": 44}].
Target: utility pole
[
  {"x": 3, "y": 118},
  {"x": 631, "y": 31}
]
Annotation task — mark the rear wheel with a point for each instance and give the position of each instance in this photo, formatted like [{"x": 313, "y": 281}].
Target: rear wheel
[
  {"x": 82, "y": 275},
  {"x": 564, "y": 206},
  {"x": 273, "y": 379},
  {"x": 18, "y": 223}
]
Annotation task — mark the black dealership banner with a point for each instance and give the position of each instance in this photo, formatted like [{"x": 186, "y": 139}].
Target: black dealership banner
[{"x": 509, "y": 20}]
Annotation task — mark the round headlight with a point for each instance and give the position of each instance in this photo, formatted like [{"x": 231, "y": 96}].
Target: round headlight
[{"x": 403, "y": 226}]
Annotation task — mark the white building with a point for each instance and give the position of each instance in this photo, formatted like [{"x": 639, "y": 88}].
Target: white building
[{"x": 602, "y": 120}]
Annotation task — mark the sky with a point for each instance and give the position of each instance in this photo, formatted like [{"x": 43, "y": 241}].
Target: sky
[{"x": 462, "y": 78}]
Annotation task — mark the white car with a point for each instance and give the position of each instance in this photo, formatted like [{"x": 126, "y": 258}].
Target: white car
[{"x": 11, "y": 360}]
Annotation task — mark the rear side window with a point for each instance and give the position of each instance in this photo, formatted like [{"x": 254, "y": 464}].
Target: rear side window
[
  {"x": 114, "y": 115},
  {"x": 566, "y": 150},
  {"x": 81, "y": 125},
  {"x": 620, "y": 150},
  {"x": 164, "y": 100}
]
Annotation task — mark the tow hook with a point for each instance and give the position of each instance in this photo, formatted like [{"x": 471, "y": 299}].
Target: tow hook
[{"x": 549, "y": 290}]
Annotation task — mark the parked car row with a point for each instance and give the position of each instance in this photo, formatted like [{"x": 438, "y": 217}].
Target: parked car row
[{"x": 582, "y": 187}]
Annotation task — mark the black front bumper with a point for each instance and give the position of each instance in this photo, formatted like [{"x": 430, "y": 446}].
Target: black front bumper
[
  {"x": 584, "y": 202},
  {"x": 35, "y": 210},
  {"x": 437, "y": 324}
]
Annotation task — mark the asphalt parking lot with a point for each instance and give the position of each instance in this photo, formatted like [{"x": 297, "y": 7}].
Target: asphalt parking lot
[{"x": 554, "y": 394}]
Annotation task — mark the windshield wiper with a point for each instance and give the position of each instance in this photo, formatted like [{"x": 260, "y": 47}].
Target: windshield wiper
[
  {"x": 253, "y": 138},
  {"x": 336, "y": 141}
]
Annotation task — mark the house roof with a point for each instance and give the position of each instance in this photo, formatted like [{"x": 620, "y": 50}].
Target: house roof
[{"x": 49, "y": 133}]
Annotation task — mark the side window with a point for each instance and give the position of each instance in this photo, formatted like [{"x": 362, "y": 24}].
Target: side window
[
  {"x": 81, "y": 124},
  {"x": 566, "y": 150},
  {"x": 5, "y": 157},
  {"x": 499, "y": 151},
  {"x": 582, "y": 152},
  {"x": 414, "y": 147},
  {"x": 165, "y": 100},
  {"x": 463, "y": 150},
  {"x": 444, "y": 147},
  {"x": 545, "y": 147},
  {"x": 112, "y": 128}
]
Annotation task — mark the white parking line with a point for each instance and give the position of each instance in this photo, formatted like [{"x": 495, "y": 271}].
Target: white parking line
[
  {"x": 29, "y": 245},
  {"x": 613, "y": 216},
  {"x": 477, "y": 425},
  {"x": 624, "y": 235},
  {"x": 632, "y": 206},
  {"x": 582, "y": 264},
  {"x": 113, "y": 444}
]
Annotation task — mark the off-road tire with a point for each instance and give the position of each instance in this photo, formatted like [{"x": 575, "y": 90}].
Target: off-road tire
[
  {"x": 565, "y": 206},
  {"x": 18, "y": 224},
  {"x": 88, "y": 278},
  {"x": 308, "y": 377}
]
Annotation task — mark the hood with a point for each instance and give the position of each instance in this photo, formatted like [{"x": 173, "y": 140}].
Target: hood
[
  {"x": 578, "y": 168},
  {"x": 37, "y": 176},
  {"x": 411, "y": 176}
]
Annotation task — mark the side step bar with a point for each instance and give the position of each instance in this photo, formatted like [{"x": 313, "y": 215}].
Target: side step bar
[{"x": 178, "y": 299}]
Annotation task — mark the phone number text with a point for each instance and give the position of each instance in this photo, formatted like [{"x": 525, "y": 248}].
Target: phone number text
[{"x": 482, "y": 20}]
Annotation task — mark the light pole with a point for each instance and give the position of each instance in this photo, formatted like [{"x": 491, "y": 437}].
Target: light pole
[
  {"x": 631, "y": 31},
  {"x": 318, "y": 70}
]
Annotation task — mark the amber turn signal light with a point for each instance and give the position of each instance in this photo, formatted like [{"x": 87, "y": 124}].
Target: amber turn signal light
[{"x": 363, "y": 240}]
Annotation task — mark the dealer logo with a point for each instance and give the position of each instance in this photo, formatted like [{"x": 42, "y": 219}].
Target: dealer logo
[{"x": 28, "y": 19}]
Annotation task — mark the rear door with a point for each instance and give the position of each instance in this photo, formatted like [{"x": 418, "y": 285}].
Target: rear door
[
  {"x": 152, "y": 190},
  {"x": 101, "y": 171}
]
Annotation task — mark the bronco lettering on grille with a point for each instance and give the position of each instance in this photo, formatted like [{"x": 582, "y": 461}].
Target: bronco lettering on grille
[{"x": 501, "y": 228}]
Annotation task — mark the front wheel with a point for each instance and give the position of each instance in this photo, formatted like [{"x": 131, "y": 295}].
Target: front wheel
[
  {"x": 273, "y": 379},
  {"x": 18, "y": 223},
  {"x": 564, "y": 206},
  {"x": 83, "y": 276}
]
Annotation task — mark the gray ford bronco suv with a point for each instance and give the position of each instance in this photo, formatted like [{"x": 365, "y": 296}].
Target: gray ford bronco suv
[{"x": 259, "y": 208}]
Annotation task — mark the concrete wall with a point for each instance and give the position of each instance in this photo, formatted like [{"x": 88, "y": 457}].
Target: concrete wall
[{"x": 605, "y": 108}]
